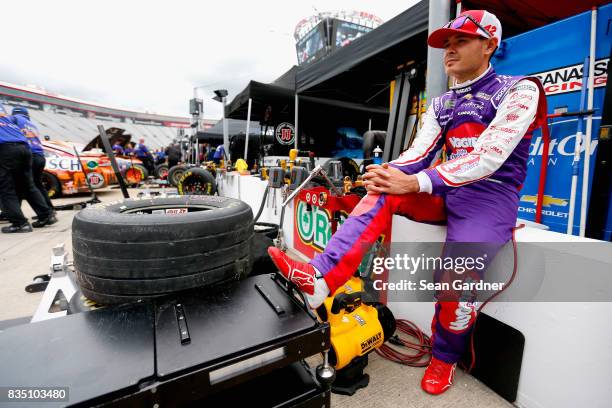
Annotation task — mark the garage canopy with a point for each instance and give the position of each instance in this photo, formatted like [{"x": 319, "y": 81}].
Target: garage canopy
[
  {"x": 234, "y": 127},
  {"x": 278, "y": 94}
]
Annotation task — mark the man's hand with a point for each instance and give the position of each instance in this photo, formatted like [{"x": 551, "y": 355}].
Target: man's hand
[{"x": 390, "y": 180}]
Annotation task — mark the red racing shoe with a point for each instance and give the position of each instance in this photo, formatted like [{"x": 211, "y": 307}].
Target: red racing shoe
[
  {"x": 300, "y": 273},
  {"x": 438, "y": 376}
]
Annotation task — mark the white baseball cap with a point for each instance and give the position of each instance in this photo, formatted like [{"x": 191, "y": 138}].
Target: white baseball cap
[{"x": 478, "y": 23}]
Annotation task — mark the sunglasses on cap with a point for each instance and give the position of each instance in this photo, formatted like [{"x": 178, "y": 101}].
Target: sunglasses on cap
[{"x": 461, "y": 20}]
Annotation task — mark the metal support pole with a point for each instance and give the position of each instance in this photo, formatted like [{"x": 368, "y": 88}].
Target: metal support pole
[
  {"x": 225, "y": 131},
  {"x": 589, "y": 126},
  {"x": 436, "y": 81},
  {"x": 197, "y": 149},
  {"x": 248, "y": 130},
  {"x": 297, "y": 105}
]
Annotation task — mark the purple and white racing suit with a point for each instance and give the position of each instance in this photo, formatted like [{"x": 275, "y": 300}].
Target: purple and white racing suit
[{"x": 486, "y": 125}]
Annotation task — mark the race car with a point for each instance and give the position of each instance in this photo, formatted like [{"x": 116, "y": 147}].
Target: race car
[
  {"x": 64, "y": 174},
  {"x": 132, "y": 169}
]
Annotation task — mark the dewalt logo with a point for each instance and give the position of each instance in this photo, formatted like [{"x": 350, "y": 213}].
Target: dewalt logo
[{"x": 371, "y": 342}]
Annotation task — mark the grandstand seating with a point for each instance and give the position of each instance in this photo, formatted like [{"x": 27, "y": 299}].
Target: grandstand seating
[{"x": 61, "y": 126}]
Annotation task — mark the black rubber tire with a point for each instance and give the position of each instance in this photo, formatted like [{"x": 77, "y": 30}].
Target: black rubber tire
[
  {"x": 175, "y": 173},
  {"x": 157, "y": 266},
  {"x": 112, "y": 241},
  {"x": 143, "y": 170},
  {"x": 161, "y": 171},
  {"x": 112, "y": 299},
  {"x": 149, "y": 287},
  {"x": 52, "y": 185},
  {"x": 197, "y": 181}
]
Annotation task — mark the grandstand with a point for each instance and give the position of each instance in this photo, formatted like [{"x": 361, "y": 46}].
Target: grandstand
[{"x": 70, "y": 119}]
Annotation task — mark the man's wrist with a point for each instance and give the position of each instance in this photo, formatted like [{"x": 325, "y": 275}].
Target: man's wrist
[{"x": 424, "y": 181}]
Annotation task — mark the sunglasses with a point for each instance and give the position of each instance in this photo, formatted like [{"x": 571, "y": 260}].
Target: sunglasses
[{"x": 461, "y": 20}]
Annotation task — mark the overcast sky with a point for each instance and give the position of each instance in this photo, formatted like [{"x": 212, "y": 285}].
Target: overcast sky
[{"x": 149, "y": 55}]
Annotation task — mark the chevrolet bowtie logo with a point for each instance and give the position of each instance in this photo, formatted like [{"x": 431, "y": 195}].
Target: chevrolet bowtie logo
[{"x": 546, "y": 202}]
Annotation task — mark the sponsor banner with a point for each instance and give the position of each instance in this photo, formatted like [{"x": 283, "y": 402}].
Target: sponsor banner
[
  {"x": 313, "y": 227},
  {"x": 66, "y": 164},
  {"x": 569, "y": 79},
  {"x": 559, "y": 66}
]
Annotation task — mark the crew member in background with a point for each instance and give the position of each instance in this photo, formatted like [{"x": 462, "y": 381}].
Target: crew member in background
[
  {"x": 219, "y": 154},
  {"x": 2, "y": 217},
  {"x": 160, "y": 157},
  {"x": 16, "y": 172},
  {"x": 173, "y": 152},
  {"x": 486, "y": 123},
  {"x": 118, "y": 149},
  {"x": 130, "y": 148},
  {"x": 142, "y": 152},
  {"x": 21, "y": 117}
]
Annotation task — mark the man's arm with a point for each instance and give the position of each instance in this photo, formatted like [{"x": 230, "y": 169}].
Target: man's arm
[{"x": 515, "y": 115}]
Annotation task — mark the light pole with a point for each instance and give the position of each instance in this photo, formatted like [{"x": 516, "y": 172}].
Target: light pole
[
  {"x": 221, "y": 96},
  {"x": 196, "y": 109}
]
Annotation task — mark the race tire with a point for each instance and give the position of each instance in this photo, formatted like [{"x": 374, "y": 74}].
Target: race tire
[
  {"x": 161, "y": 286},
  {"x": 52, "y": 185},
  {"x": 175, "y": 173},
  {"x": 142, "y": 169},
  {"x": 133, "y": 176},
  {"x": 190, "y": 258},
  {"x": 112, "y": 241},
  {"x": 197, "y": 181},
  {"x": 161, "y": 171},
  {"x": 125, "y": 251},
  {"x": 103, "y": 299}
]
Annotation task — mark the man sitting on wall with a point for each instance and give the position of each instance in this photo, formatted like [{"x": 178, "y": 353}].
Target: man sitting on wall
[{"x": 485, "y": 121}]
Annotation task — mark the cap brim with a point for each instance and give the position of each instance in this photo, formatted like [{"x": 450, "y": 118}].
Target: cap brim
[{"x": 438, "y": 37}]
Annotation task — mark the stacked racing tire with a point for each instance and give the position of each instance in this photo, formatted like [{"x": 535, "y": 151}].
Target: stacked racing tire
[
  {"x": 161, "y": 171},
  {"x": 138, "y": 249},
  {"x": 196, "y": 181},
  {"x": 175, "y": 173}
]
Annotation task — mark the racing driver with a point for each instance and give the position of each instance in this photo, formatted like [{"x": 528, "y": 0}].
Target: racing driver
[{"x": 485, "y": 123}]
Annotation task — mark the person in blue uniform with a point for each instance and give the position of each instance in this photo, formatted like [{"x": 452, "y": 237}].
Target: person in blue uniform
[
  {"x": 21, "y": 116},
  {"x": 142, "y": 152},
  {"x": 16, "y": 173}
]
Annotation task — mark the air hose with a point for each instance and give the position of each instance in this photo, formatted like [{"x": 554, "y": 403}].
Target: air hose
[{"x": 263, "y": 202}]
